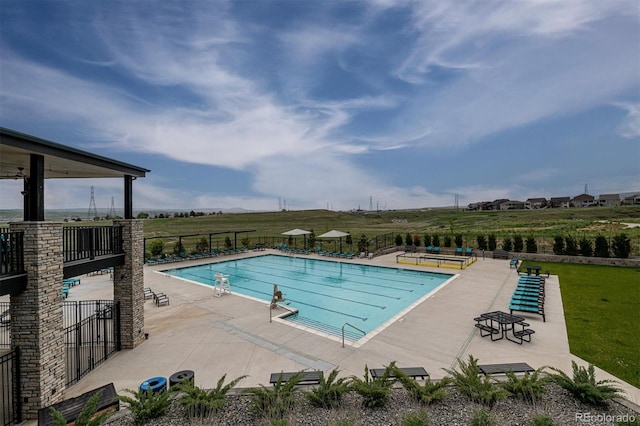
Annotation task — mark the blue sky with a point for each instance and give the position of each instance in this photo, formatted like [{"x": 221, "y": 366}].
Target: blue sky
[{"x": 328, "y": 103}]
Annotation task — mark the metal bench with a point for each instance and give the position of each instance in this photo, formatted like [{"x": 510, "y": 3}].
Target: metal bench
[
  {"x": 306, "y": 377},
  {"x": 412, "y": 372},
  {"x": 71, "y": 408},
  {"x": 517, "y": 367}
]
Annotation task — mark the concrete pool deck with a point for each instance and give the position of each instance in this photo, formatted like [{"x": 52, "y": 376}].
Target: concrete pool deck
[{"x": 232, "y": 335}]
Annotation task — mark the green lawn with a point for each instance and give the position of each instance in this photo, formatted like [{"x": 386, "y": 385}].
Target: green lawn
[{"x": 601, "y": 305}]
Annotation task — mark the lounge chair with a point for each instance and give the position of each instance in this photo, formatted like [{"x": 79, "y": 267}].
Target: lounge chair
[
  {"x": 436, "y": 250},
  {"x": 458, "y": 251},
  {"x": 160, "y": 299},
  {"x": 468, "y": 251},
  {"x": 148, "y": 294}
]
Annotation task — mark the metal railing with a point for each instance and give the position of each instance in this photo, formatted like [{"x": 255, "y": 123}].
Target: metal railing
[
  {"x": 352, "y": 326},
  {"x": 11, "y": 252},
  {"x": 87, "y": 242},
  {"x": 10, "y": 409}
]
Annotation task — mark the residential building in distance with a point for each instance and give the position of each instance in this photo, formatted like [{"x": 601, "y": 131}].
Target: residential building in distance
[
  {"x": 512, "y": 205},
  {"x": 560, "y": 202},
  {"x": 609, "y": 200},
  {"x": 583, "y": 200},
  {"x": 535, "y": 203}
]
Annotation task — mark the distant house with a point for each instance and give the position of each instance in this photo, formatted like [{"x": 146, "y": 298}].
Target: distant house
[
  {"x": 535, "y": 203},
  {"x": 512, "y": 205},
  {"x": 495, "y": 205},
  {"x": 560, "y": 202},
  {"x": 483, "y": 205},
  {"x": 632, "y": 200},
  {"x": 583, "y": 200},
  {"x": 609, "y": 200}
]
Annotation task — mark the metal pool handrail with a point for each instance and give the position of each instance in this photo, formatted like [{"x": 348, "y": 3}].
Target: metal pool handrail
[{"x": 352, "y": 326}]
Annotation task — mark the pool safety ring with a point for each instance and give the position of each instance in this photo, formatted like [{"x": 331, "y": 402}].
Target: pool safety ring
[{"x": 155, "y": 384}]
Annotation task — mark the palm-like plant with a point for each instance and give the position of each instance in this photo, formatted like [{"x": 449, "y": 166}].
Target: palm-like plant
[
  {"x": 146, "y": 405},
  {"x": 584, "y": 385},
  {"x": 528, "y": 388},
  {"x": 201, "y": 403},
  {"x": 87, "y": 416},
  {"x": 328, "y": 393},
  {"x": 427, "y": 393},
  {"x": 479, "y": 388},
  {"x": 274, "y": 403},
  {"x": 374, "y": 391}
]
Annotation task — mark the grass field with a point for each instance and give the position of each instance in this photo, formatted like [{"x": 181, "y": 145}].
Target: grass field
[{"x": 601, "y": 312}]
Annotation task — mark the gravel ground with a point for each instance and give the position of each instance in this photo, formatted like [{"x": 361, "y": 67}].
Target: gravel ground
[{"x": 456, "y": 409}]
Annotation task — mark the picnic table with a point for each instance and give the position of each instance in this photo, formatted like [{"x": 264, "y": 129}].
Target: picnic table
[
  {"x": 500, "y": 324},
  {"x": 533, "y": 268}
]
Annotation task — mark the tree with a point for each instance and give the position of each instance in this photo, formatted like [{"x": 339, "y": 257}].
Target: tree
[
  {"x": 558, "y": 245},
  {"x": 492, "y": 242},
  {"x": 142, "y": 215},
  {"x": 458, "y": 240},
  {"x": 621, "y": 246},
  {"x": 507, "y": 244},
  {"x": 408, "y": 239},
  {"x": 571, "y": 246},
  {"x": 436, "y": 240},
  {"x": 532, "y": 246},
  {"x": 363, "y": 244},
  {"x": 586, "y": 249},
  {"x": 178, "y": 248},
  {"x": 246, "y": 241},
  {"x": 482, "y": 242},
  {"x": 312, "y": 239},
  {"x": 427, "y": 240},
  {"x": 517, "y": 243},
  {"x": 202, "y": 246},
  {"x": 398, "y": 240},
  {"x": 602, "y": 247},
  {"x": 447, "y": 241},
  {"x": 227, "y": 243},
  {"x": 416, "y": 240}
]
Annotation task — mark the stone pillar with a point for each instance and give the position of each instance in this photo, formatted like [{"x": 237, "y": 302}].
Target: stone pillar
[
  {"x": 128, "y": 283},
  {"x": 36, "y": 318}
]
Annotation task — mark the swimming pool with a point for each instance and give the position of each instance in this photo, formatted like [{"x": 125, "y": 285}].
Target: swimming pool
[{"x": 326, "y": 294}]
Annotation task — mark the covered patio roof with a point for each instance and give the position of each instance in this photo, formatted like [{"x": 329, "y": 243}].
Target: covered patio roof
[{"x": 33, "y": 160}]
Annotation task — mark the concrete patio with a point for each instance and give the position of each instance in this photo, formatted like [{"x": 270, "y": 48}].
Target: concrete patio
[{"x": 232, "y": 335}]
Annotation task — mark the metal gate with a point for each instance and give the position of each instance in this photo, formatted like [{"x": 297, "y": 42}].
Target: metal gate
[
  {"x": 91, "y": 339},
  {"x": 10, "y": 388}
]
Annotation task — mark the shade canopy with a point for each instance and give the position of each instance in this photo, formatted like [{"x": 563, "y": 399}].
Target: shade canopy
[
  {"x": 296, "y": 232},
  {"x": 333, "y": 234}
]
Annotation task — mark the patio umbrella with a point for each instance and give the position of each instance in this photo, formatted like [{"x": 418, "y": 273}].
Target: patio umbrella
[
  {"x": 298, "y": 232},
  {"x": 334, "y": 234}
]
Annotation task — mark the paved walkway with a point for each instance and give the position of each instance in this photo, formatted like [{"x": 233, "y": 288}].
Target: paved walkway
[{"x": 232, "y": 335}]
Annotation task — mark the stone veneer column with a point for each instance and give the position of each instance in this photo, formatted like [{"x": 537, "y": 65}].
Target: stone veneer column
[
  {"x": 128, "y": 283},
  {"x": 36, "y": 318}
]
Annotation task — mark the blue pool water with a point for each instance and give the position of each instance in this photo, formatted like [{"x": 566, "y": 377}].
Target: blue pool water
[{"x": 326, "y": 294}]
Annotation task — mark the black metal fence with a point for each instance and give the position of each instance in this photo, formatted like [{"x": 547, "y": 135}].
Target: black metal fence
[
  {"x": 10, "y": 388},
  {"x": 11, "y": 252},
  {"x": 87, "y": 242},
  {"x": 93, "y": 334}
]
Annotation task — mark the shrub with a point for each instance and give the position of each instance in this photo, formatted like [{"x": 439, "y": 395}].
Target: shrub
[
  {"x": 527, "y": 388},
  {"x": 156, "y": 247},
  {"x": 532, "y": 246},
  {"x": 571, "y": 246},
  {"x": 507, "y": 244},
  {"x": 202, "y": 404},
  {"x": 246, "y": 242},
  {"x": 586, "y": 249},
  {"x": 87, "y": 416},
  {"x": 558, "y": 245},
  {"x": 517, "y": 243},
  {"x": 479, "y": 388},
  {"x": 482, "y": 418},
  {"x": 328, "y": 393},
  {"x": 427, "y": 240},
  {"x": 311, "y": 238},
  {"x": 408, "y": 239},
  {"x": 415, "y": 418},
  {"x": 427, "y": 393},
  {"x": 542, "y": 420},
  {"x": 227, "y": 242},
  {"x": 274, "y": 403},
  {"x": 584, "y": 386},
  {"x": 447, "y": 241},
  {"x": 492, "y": 244},
  {"x": 363, "y": 243},
  {"x": 416, "y": 240},
  {"x": 178, "y": 248},
  {"x": 374, "y": 391},
  {"x": 398, "y": 240},
  {"x": 482, "y": 242},
  {"x": 435, "y": 240},
  {"x": 621, "y": 246},
  {"x": 147, "y": 405},
  {"x": 458, "y": 240},
  {"x": 602, "y": 247},
  {"x": 202, "y": 246}
]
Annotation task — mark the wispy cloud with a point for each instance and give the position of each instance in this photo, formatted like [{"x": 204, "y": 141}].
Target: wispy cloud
[{"x": 630, "y": 128}]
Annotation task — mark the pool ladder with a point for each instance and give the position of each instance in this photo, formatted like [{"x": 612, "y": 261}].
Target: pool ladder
[{"x": 352, "y": 326}]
